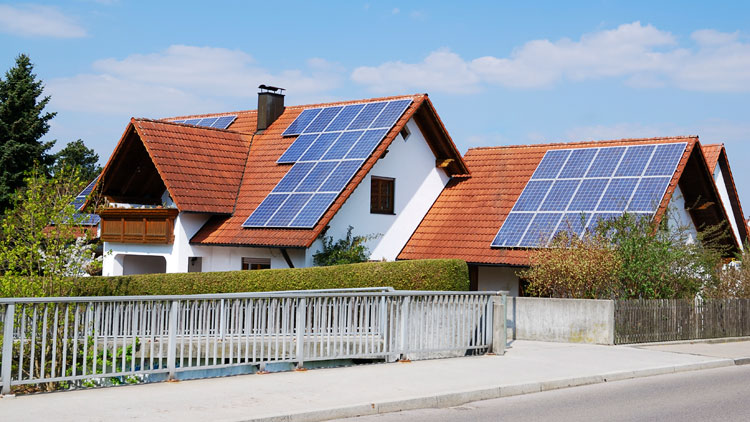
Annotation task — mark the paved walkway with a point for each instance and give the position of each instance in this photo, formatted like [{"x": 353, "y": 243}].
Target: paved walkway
[{"x": 328, "y": 393}]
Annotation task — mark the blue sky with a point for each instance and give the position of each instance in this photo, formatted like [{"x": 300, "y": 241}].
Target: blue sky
[{"x": 499, "y": 73}]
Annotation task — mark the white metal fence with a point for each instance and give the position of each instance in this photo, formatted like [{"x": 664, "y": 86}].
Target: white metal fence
[{"x": 74, "y": 341}]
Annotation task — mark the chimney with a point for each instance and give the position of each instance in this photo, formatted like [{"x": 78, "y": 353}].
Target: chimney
[{"x": 270, "y": 105}]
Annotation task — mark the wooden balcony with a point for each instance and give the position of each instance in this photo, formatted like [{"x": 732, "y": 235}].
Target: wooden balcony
[{"x": 138, "y": 225}]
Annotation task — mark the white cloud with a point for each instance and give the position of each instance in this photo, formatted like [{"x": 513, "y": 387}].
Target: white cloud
[
  {"x": 395, "y": 11},
  {"x": 182, "y": 78},
  {"x": 642, "y": 55},
  {"x": 442, "y": 70},
  {"x": 33, "y": 20}
]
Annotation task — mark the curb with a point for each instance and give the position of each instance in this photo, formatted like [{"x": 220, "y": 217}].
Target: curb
[
  {"x": 718, "y": 340},
  {"x": 462, "y": 397}
]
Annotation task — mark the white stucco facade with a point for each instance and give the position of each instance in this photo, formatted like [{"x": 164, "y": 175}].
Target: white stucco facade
[
  {"x": 417, "y": 184},
  {"x": 724, "y": 195}
]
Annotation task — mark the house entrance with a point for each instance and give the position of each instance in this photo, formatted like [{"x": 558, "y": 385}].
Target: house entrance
[{"x": 143, "y": 264}]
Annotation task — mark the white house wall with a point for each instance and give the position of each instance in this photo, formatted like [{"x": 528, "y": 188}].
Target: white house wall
[
  {"x": 176, "y": 254},
  {"x": 418, "y": 183},
  {"x": 679, "y": 216},
  {"x": 724, "y": 195}
]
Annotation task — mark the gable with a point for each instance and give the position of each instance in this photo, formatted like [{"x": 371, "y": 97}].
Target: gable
[
  {"x": 201, "y": 168},
  {"x": 718, "y": 163}
]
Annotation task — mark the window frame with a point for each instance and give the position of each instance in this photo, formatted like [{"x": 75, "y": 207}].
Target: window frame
[
  {"x": 377, "y": 196},
  {"x": 252, "y": 264}
]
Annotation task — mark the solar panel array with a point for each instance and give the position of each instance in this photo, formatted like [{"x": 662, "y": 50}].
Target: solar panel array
[
  {"x": 220, "y": 122},
  {"x": 332, "y": 145},
  {"x": 573, "y": 189},
  {"x": 80, "y": 201}
]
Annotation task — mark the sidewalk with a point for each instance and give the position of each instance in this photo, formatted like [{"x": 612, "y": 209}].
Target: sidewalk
[{"x": 340, "y": 392}]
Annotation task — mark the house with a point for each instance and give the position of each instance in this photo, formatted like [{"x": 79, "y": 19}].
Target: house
[
  {"x": 258, "y": 189},
  {"x": 515, "y": 197}
]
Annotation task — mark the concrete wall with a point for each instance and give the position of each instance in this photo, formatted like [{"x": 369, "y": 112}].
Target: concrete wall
[
  {"x": 562, "y": 320},
  {"x": 498, "y": 278}
]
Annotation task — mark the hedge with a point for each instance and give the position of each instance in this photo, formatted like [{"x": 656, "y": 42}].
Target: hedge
[{"x": 432, "y": 274}]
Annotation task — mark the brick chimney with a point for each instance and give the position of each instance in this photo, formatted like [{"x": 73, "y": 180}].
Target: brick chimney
[{"x": 270, "y": 105}]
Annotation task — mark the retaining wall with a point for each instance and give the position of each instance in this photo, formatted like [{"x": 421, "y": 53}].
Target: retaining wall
[{"x": 562, "y": 320}]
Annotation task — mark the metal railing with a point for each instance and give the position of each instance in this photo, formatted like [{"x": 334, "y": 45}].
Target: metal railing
[{"x": 75, "y": 341}]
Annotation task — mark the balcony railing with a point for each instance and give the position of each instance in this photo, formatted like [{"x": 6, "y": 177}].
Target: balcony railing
[{"x": 138, "y": 225}]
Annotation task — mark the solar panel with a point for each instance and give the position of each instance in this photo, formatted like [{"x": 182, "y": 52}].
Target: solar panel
[
  {"x": 218, "y": 122},
  {"x": 80, "y": 201},
  {"x": 574, "y": 189},
  {"x": 300, "y": 123},
  {"x": 332, "y": 145}
]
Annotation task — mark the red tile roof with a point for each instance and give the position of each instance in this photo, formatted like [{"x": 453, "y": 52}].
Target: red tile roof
[
  {"x": 712, "y": 152},
  {"x": 469, "y": 212},
  {"x": 201, "y": 167},
  {"x": 262, "y": 173}
]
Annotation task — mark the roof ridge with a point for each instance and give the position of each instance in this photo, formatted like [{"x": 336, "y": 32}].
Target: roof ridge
[
  {"x": 328, "y": 104},
  {"x": 550, "y": 144},
  {"x": 144, "y": 119}
]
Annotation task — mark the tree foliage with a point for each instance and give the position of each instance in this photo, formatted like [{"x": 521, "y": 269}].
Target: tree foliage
[
  {"x": 628, "y": 257},
  {"x": 23, "y": 122},
  {"x": 77, "y": 154},
  {"x": 42, "y": 247},
  {"x": 349, "y": 250}
]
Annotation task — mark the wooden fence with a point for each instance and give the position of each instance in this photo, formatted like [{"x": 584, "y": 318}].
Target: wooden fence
[{"x": 643, "y": 321}]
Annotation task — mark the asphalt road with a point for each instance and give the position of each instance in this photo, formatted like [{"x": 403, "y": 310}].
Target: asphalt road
[{"x": 721, "y": 394}]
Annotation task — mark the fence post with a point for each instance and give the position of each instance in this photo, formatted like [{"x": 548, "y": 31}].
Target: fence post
[
  {"x": 301, "y": 311},
  {"x": 499, "y": 326},
  {"x": 10, "y": 310},
  {"x": 404, "y": 338},
  {"x": 172, "y": 346}
]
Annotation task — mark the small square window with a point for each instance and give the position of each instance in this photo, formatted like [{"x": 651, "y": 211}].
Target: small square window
[
  {"x": 405, "y": 132},
  {"x": 256, "y": 264},
  {"x": 381, "y": 195}
]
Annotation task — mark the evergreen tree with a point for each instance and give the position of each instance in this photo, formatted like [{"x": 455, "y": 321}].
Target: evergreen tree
[
  {"x": 77, "y": 154},
  {"x": 22, "y": 124}
]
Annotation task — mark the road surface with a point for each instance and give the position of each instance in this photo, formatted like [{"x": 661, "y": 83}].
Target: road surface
[{"x": 721, "y": 394}]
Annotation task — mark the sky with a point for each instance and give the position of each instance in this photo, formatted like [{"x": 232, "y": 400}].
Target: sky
[{"x": 498, "y": 72}]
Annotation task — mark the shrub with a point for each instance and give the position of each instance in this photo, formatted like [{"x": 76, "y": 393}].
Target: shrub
[
  {"x": 349, "y": 250},
  {"x": 733, "y": 279},
  {"x": 574, "y": 268},
  {"x": 438, "y": 274},
  {"x": 628, "y": 257}
]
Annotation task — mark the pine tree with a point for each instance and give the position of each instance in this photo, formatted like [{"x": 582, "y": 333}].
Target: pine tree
[{"x": 22, "y": 124}]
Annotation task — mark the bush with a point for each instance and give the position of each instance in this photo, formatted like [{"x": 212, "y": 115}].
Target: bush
[
  {"x": 349, "y": 250},
  {"x": 574, "y": 268},
  {"x": 733, "y": 279},
  {"x": 627, "y": 257},
  {"x": 438, "y": 274}
]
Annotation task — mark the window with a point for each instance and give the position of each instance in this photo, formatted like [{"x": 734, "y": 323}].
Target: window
[
  {"x": 381, "y": 195},
  {"x": 256, "y": 264},
  {"x": 405, "y": 133}
]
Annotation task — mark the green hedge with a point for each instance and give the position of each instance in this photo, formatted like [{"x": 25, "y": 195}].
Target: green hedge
[{"x": 432, "y": 274}]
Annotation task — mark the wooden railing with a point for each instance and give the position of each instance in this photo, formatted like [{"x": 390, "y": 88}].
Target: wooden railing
[
  {"x": 643, "y": 321},
  {"x": 138, "y": 225}
]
